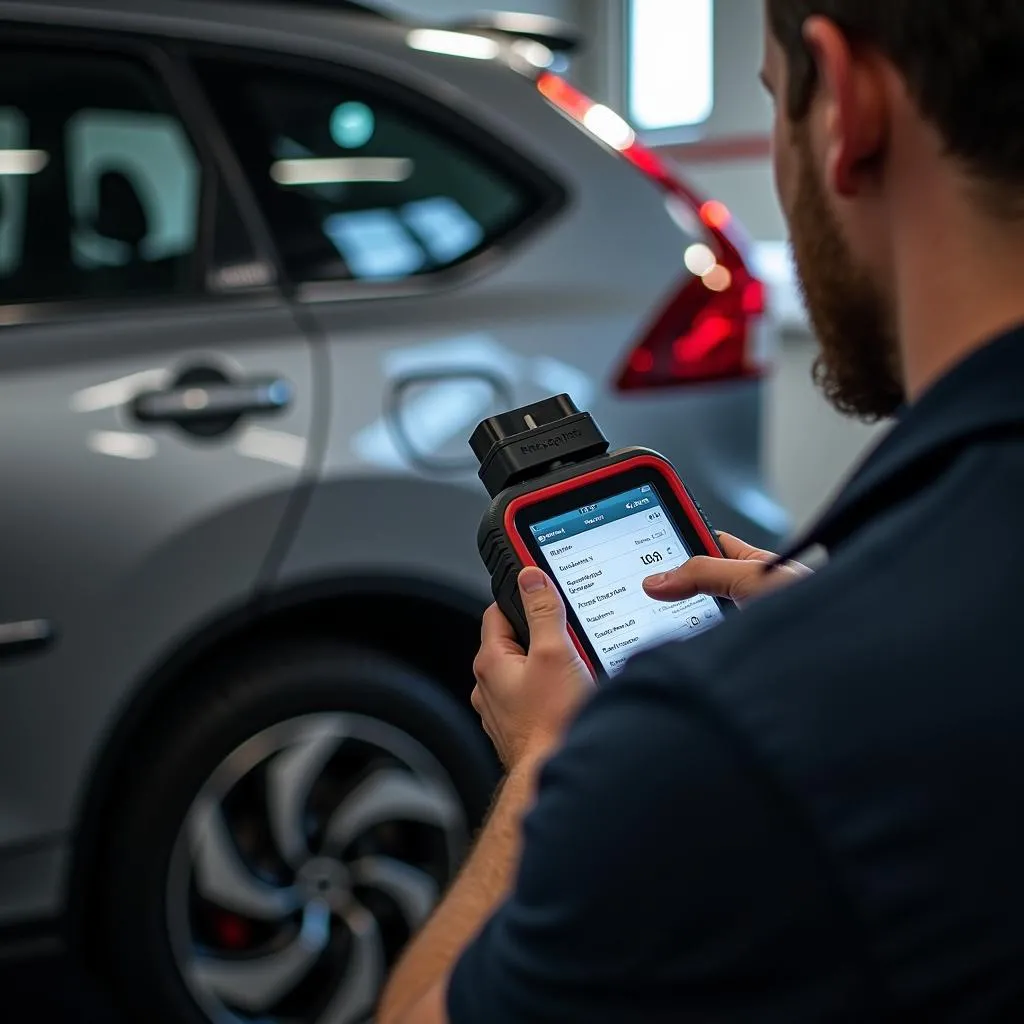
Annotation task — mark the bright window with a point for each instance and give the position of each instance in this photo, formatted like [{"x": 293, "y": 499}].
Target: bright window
[{"x": 670, "y": 64}]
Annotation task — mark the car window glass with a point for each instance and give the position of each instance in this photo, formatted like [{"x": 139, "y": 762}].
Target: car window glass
[
  {"x": 152, "y": 151},
  {"x": 100, "y": 187},
  {"x": 13, "y": 137},
  {"x": 356, "y": 186}
]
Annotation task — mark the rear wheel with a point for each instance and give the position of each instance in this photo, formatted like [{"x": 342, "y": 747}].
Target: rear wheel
[{"x": 292, "y": 827}]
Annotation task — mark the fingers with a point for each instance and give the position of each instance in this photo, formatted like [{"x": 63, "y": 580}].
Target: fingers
[
  {"x": 497, "y": 641},
  {"x": 729, "y": 578},
  {"x": 495, "y": 628},
  {"x": 737, "y": 577},
  {"x": 741, "y": 550},
  {"x": 545, "y": 613}
]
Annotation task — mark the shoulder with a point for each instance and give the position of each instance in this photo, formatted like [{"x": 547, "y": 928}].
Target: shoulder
[{"x": 881, "y": 702}]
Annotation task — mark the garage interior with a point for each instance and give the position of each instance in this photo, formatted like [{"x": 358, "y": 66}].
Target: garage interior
[{"x": 245, "y": 585}]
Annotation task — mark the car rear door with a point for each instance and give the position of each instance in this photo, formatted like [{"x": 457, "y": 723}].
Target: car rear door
[
  {"x": 393, "y": 214},
  {"x": 156, "y": 407}
]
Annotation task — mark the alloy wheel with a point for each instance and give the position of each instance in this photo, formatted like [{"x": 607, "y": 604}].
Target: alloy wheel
[{"x": 304, "y": 864}]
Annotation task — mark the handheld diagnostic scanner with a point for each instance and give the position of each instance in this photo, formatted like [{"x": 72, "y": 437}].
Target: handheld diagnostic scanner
[{"x": 597, "y": 522}]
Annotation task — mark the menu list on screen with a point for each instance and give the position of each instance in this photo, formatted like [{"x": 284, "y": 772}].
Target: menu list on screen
[{"x": 600, "y": 554}]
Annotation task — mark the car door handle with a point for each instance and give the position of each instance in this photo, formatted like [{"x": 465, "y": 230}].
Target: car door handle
[{"x": 202, "y": 402}]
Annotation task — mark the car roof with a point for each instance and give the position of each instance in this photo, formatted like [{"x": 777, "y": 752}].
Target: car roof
[
  {"x": 257, "y": 21},
  {"x": 342, "y": 6},
  {"x": 485, "y": 92}
]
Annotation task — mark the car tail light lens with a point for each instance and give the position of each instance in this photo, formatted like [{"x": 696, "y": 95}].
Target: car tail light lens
[{"x": 706, "y": 331}]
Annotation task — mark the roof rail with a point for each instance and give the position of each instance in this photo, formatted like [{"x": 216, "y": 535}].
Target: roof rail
[
  {"x": 341, "y": 6},
  {"x": 557, "y": 35}
]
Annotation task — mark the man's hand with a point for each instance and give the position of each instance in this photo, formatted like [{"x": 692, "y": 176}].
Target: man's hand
[
  {"x": 741, "y": 576},
  {"x": 526, "y": 700}
]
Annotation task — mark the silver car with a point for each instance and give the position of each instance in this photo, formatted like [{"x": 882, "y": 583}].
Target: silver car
[{"x": 262, "y": 269}]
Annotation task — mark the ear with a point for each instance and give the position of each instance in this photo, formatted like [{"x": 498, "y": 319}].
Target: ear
[{"x": 851, "y": 89}]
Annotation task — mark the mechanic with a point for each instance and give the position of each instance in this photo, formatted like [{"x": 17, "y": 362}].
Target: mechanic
[{"x": 815, "y": 812}]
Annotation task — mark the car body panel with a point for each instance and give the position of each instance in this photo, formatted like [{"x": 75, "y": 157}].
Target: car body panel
[{"x": 127, "y": 538}]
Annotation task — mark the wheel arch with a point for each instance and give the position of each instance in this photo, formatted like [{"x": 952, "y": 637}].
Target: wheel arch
[{"x": 357, "y": 609}]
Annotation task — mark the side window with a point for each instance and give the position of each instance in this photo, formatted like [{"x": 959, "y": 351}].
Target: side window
[
  {"x": 100, "y": 187},
  {"x": 13, "y": 193},
  {"x": 354, "y": 185}
]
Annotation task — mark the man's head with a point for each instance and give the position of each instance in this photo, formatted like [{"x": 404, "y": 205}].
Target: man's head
[{"x": 882, "y": 106}]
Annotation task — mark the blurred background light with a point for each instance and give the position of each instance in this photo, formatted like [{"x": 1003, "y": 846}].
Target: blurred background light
[
  {"x": 23, "y": 161},
  {"x": 671, "y": 63},
  {"x": 339, "y": 170},
  {"x": 609, "y": 127},
  {"x": 352, "y": 125},
  {"x": 453, "y": 44}
]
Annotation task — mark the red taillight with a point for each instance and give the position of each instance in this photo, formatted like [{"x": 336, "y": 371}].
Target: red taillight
[
  {"x": 706, "y": 330},
  {"x": 700, "y": 336},
  {"x": 566, "y": 97}
]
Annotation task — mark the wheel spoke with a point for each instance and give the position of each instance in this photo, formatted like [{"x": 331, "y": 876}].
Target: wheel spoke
[
  {"x": 365, "y": 973},
  {"x": 221, "y": 875},
  {"x": 414, "y": 891},
  {"x": 390, "y": 795},
  {"x": 290, "y": 777},
  {"x": 257, "y": 983},
  {"x": 333, "y": 969}
]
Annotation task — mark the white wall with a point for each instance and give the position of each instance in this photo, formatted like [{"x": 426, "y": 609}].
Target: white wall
[
  {"x": 742, "y": 112},
  {"x": 741, "y": 106},
  {"x": 809, "y": 447}
]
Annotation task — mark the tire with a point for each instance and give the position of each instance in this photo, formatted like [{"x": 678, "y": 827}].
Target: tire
[{"x": 294, "y": 822}]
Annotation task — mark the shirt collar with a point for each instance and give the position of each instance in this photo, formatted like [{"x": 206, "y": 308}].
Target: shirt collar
[{"x": 982, "y": 396}]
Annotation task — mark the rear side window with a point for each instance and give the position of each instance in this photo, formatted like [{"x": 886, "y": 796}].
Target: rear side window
[
  {"x": 354, "y": 184},
  {"x": 100, "y": 185}
]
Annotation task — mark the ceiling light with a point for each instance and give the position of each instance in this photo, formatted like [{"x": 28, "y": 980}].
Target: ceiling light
[
  {"x": 534, "y": 53},
  {"x": 340, "y": 170},
  {"x": 453, "y": 44}
]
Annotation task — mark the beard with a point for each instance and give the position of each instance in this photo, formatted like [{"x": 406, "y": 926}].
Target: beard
[{"x": 858, "y": 367}]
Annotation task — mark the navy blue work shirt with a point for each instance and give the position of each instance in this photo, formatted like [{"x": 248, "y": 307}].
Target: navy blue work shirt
[{"x": 815, "y": 812}]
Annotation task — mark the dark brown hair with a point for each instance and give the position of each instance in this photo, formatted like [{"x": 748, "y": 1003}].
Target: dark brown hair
[{"x": 962, "y": 60}]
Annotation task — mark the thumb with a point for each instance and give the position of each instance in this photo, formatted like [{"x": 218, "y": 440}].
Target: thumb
[
  {"x": 545, "y": 613},
  {"x": 719, "y": 577}
]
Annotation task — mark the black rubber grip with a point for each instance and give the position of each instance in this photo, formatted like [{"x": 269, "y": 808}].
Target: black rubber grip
[
  {"x": 500, "y": 557},
  {"x": 704, "y": 519},
  {"x": 504, "y": 566}
]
